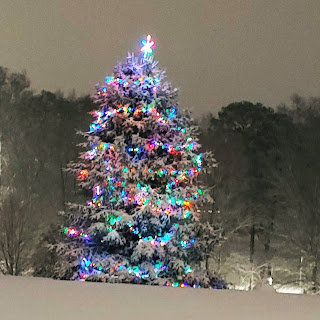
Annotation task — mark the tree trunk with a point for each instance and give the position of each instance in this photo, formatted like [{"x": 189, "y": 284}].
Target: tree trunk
[
  {"x": 219, "y": 258},
  {"x": 63, "y": 189},
  {"x": 315, "y": 277},
  {"x": 252, "y": 236},
  {"x": 207, "y": 262},
  {"x": 300, "y": 271},
  {"x": 267, "y": 271}
]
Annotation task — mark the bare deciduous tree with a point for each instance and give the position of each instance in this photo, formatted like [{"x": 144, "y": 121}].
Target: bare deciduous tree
[{"x": 13, "y": 229}]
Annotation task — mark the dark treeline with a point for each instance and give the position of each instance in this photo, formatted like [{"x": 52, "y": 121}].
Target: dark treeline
[
  {"x": 266, "y": 189},
  {"x": 266, "y": 185},
  {"x": 38, "y": 138}
]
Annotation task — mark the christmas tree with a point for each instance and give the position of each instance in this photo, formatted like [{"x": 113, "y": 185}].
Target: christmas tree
[{"x": 140, "y": 168}]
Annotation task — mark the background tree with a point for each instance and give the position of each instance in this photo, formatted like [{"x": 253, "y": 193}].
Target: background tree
[
  {"x": 302, "y": 185},
  {"x": 35, "y": 130},
  {"x": 13, "y": 231},
  {"x": 248, "y": 141}
]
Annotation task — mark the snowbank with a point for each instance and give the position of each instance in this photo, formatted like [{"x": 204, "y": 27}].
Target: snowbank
[
  {"x": 35, "y": 298},
  {"x": 290, "y": 289}
]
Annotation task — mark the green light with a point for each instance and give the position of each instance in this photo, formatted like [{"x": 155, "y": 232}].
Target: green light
[
  {"x": 166, "y": 237},
  {"x": 187, "y": 270}
]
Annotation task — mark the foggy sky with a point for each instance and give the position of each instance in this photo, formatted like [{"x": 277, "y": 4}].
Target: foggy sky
[{"x": 215, "y": 51}]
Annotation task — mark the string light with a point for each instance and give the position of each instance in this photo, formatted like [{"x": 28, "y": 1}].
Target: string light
[
  {"x": 131, "y": 185},
  {"x": 83, "y": 174},
  {"x": 102, "y": 117},
  {"x": 72, "y": 232}
]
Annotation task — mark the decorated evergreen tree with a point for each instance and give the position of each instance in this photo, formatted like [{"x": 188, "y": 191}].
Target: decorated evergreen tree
[{"x": 140, "y": 168}]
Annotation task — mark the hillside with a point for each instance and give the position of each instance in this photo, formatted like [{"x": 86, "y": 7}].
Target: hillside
[{"x": 35, "y": 298}]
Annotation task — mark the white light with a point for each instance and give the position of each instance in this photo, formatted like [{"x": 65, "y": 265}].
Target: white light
[{"x": 147, "y": 47}]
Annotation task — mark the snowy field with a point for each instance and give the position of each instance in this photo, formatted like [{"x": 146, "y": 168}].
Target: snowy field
[{"x": 35, "y": 298}]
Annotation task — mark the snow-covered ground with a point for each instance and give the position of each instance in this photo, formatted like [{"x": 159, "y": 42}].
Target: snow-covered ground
[{"x": 35, "y": 298}]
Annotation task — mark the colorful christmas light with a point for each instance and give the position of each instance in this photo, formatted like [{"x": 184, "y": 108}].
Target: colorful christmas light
[
  {"x": 129, "y": 172},
  {"x": 72, "y": 232}
]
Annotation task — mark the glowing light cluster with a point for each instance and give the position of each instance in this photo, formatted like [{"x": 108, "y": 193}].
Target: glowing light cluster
[
  {"x": 113, "y": 222},
  {"x": 83, "y": 174},
  {"x": 136, "y": 150},
  {"x": 115, "y": 81},
  {"x": 72, "y": 232},
  {"x": 181, "y": 285},
  {"x": 95, "y": 148},
  {"x": 186, "y": 244},
  {"x": 175, "y": 172},
  {"x": 137, "y": 112},
  {"x": 158, "y": 240},
  {"x": 97, "y": 199},
  {"x": 141, "y": 273},
  {"x": 90, "y": 268},
  {"x": 130, "y": 196},
  {"x": 114, "y": 182},
  {"x": 172, "y": 149}
]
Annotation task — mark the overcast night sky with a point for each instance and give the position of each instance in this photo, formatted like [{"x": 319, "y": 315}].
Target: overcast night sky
[{"x": 216, "y": 51}]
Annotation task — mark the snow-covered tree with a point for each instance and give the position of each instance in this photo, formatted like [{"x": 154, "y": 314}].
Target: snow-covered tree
[{"x": 140, "y": 169}]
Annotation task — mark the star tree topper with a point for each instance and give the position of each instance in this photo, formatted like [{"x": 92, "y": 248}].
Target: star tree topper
[{"x": 147, "y": 47}]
